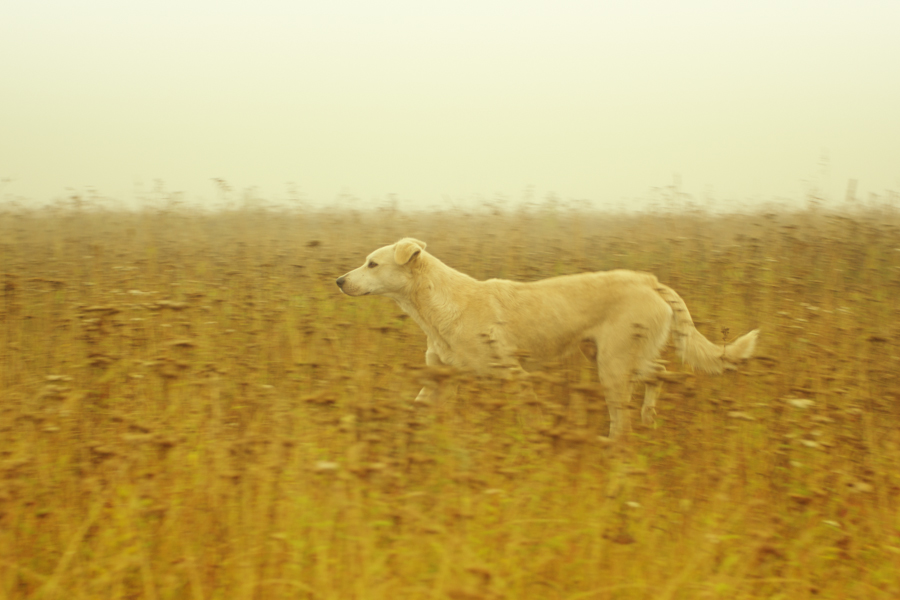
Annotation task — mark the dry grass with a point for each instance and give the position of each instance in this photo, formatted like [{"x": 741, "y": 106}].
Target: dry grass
[{"x": 190, "y": 409}]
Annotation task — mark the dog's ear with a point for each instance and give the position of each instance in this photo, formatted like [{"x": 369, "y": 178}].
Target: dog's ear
[{"x": 407, "y": 249}]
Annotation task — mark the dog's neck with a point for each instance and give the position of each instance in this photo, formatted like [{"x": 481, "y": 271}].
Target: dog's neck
[{"x": 428, "y": 302}]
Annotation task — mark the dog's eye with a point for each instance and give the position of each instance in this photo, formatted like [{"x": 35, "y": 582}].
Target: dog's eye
[{"x": 372, "y": 264}]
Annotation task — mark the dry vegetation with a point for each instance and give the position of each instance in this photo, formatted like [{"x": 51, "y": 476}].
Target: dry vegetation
[{"x": 190, "y": 409}]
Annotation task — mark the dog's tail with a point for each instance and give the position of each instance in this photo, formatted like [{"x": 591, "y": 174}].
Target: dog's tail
[{"x": 693, "y": 347}]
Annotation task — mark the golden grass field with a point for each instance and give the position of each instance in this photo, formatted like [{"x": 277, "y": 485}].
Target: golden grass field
[{"x": 189, "y": 408}]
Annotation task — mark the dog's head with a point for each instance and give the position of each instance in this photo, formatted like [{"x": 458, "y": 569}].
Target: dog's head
[{"x": 386, "y": 271}]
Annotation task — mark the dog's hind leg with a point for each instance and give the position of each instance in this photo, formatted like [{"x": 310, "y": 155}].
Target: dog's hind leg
[
  {"x": 652, "y": 388},
  {"x": 625, "y": 356},
  {"x": 617, "y": 387},
  {"x": 650, "y": 341}
]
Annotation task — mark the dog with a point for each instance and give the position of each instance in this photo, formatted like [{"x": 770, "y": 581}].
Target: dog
[{"x": 627, "y": 316}]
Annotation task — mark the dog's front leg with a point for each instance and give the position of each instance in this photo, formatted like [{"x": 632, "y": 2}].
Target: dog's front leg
[{"x": 433, "y": 390}]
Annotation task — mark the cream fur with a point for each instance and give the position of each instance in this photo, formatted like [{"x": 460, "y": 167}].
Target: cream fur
[{"x": 475, "y": 325}]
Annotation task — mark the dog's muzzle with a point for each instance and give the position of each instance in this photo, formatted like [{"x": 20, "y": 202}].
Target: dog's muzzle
[{"x": 340, "y": 282}]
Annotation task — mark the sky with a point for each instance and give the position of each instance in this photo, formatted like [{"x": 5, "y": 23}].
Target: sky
[{"x": 437, "y": 102}]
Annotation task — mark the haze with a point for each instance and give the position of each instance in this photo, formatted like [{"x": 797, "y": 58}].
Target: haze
[{"x": 435, "y": 102}]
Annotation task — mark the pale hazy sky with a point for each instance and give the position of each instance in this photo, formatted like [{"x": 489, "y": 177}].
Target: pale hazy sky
[{"x": 430, "y": 100}]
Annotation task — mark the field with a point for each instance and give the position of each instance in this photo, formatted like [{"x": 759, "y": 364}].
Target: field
[{"x": 189, "y": 408}]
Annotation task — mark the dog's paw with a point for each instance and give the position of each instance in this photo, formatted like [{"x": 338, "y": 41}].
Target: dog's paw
[{"x": 648, "y": 416}]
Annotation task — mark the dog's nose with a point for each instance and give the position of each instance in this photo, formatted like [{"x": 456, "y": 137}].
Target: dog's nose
[{"x": 340, "y": 282}]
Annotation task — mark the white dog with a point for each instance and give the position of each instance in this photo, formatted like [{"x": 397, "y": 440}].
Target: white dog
[{"x": 476, "y": 325}]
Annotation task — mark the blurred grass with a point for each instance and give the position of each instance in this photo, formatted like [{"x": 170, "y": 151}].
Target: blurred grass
[{"x": 189, "y": 408}]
